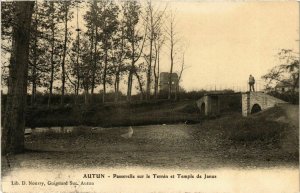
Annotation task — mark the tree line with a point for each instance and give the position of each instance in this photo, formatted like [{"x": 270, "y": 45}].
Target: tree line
[
  {"x": 115, "y": 43},
  {"x": 123, "y": 41}
]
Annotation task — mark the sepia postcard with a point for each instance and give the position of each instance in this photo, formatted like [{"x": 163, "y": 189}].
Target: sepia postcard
[{"x": 151, "y": 96}]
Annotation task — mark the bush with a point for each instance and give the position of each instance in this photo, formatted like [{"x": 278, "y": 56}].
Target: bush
[{"x": 287, "y": 96}]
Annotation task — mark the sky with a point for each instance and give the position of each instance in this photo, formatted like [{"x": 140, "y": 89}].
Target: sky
[{"x": 228, "y": 41}]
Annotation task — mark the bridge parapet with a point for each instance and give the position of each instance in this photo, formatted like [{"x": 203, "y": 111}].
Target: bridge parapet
[
  {"x": 253, "y": 102},
  {"x": 209, "y": 105}
]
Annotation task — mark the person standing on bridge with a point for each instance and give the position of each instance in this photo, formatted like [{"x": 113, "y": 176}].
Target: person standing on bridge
[{"x": 251, "y": 83}]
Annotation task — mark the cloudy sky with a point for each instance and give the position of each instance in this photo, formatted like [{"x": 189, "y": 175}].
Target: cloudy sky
[{"x": 227, "y": 41}]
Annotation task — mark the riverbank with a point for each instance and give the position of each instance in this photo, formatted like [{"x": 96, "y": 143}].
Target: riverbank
[
  {"x": 265, "y": 140},
  {"x": 114, "y": 114}
]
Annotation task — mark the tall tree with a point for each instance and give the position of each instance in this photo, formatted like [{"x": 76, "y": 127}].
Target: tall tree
[
  {"x": 136, "y": 40},
  {"x": 159, "y": 42},
  {"x": 34, "y": 53},
  {"x": 92, "y": 18},
  {"x": 108, "y": 24},
  {"x": 65, "y": 8},
  {"x": 38, "y": 52},
  {"x": 92, "y": 32},
  {"x": 53, "y": 17},
  {"x": 85, "y": 68},
  {"x": 173, "y": 40},
  {"x": 153, "y": 22},
  {"x": 74, "y": 73},
  {"x": 119, "y": 55},
  {"x": 14, "y": 120},
  {"x": 182, "y": 68}
]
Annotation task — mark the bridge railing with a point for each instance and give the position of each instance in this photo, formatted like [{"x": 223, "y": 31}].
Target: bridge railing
[{"x": 243, "y": 87}]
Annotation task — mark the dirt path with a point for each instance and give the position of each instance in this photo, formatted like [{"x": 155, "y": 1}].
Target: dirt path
[{"x": 167, "y": 146}]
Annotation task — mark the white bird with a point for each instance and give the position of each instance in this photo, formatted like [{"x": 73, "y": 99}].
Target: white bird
[
  {"x": 94, "y": 128},
  {"x": 27, "y": 132},
  {"x": 129, "y": 134}
]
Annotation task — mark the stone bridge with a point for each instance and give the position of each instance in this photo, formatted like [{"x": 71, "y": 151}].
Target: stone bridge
[
  {"x": 249, "y": 102},
  {"x": 212, "y": 103},
  {"x": 253, "y": 102}
]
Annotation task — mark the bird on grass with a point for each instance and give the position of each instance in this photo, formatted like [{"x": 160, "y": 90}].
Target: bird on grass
[
  {"x": 129, "y": 134},
  {"x": 94, "y": 128},
  {"x": 28, "y": 132}
]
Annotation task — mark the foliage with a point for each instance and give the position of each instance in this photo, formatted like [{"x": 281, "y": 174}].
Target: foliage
[
  {"x": 7, "y": 21},
  {"x": 286, "y": 96},
  {"x": 286, "y": 72},
  {"x": 118, "y": 39}
]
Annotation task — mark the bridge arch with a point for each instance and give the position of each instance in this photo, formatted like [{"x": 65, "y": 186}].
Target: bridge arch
[
  {"x": 255, "y": 108},
  {"x": 202, "y": 108},
  {"x": 253, "y": 102},
  {"x": 209, "y": 105}
]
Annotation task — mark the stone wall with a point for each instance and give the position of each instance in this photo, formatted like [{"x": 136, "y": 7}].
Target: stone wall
[
  {"x": 265, "y": 101},
  {"x": 212, "y": 105},
  {"x": 245, "y": 104},
  {"x": 203, "y": 100},
  {"x": 164, "y": 81}
]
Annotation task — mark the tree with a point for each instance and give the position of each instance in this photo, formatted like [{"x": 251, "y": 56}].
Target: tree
[
  {"x": 65, "y": 6},
  {"x": 91, "y": 18},
  {"x": 286, "y": 72},
  {"x": 119, "y": 56},
  {"x": 136, "y": 41},
  {"x": 159, "y": 42},
  {"x": 33, "y": 53},
  {"x": 173, "y": 40},
  {"x": 52, "y": 17},
  {"x": 108, "y": 25},
  {"x": 85, "y": 68},
  {"x": 153, "y": 24},
  {"x": 38, "y": 56},
  {"x": 14, "y": 119},
  {"x": 7, "y": 15},
  {"x": 7, "y": 21},
  {"x": 182, "y": 68},
  {"x": 74, "y": 72}
]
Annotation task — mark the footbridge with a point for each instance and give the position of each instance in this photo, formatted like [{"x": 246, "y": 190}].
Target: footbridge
[
  {"x": 211, "y": 104},
  {"x": 249, "y": 102},
  {"x": 253, "y": 102}
]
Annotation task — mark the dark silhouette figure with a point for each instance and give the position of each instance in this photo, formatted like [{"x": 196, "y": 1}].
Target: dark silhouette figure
[{"x": 251, "y": 83}]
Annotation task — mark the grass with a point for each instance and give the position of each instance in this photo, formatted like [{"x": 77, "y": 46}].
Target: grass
[
  {"x": 244, "y": 142},
  {"x": 246, "y": 130},
  {"x": 261, "y": 131},
  {"x": 111, "y": 114},
  {"x": 232, "y": 127},
  {"x": 230, "y": 140},
  {"x": 251, "y": 129}
]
